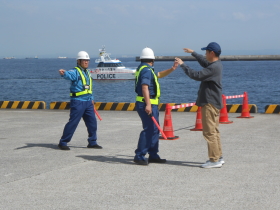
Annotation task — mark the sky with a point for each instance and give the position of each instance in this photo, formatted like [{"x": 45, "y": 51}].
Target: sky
[{"x": 51, "y": 28}]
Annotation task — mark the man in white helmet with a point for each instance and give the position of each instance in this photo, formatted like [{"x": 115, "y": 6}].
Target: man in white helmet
[
  {"x": 81, "y": 102},
  {"x": 147, "y": 100}
]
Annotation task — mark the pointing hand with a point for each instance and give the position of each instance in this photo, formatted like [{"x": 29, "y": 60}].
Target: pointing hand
[
  {"x": 188, "y": 50},
  {"x": 61, "y": 71}
]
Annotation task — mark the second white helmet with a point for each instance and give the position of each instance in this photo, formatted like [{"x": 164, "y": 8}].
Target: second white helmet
[
  {"x": 83, "y": 55},
  {"x": 147, "y": 53}
]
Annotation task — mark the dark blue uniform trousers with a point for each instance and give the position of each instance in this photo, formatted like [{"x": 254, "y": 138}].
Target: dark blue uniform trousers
[
  {"x": 149, "y": 137},
  {"x": 80, "y": 109}
]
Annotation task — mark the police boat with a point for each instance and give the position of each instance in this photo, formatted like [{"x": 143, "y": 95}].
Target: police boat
[{"x": 110, "y": 69}]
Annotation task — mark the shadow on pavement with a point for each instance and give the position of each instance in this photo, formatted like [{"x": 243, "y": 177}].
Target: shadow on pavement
[
  {"x": 185, "y": 128},
  {"x": 129, "y": 160},
  {"x": 51, "y": 146},
  {"x": 28, "y": 145}
]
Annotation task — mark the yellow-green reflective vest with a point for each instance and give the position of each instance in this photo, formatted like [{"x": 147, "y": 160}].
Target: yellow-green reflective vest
[
  {"x": 154, "y": 101},
  {"x": 84, "y": 82}
]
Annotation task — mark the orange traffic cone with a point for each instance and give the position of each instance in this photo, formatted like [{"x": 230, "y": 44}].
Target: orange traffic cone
[
  {"x": 198, "y": 123},
  {"x": 245, "y": 107},
  {"x": 223, "y": 113},
  {"x": 168, "y": 127}
]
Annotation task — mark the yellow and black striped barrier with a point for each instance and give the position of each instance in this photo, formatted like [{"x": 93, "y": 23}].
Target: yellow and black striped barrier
[
  {"x": 123, "y": 106},
  {"x": 272, "y": 109},
  {"x": 116, "y": 106},
  {"x": 237, "y": 108},
  {"x": 98, "y": 106},
  {"x": 59, "y": 105},
  {"x": 22, "y": 105}
]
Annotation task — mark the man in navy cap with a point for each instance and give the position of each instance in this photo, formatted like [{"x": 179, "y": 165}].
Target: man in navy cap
[{"x": 209, "y": 98}]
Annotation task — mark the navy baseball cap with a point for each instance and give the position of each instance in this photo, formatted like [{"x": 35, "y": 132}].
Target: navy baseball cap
[{"x": 213, "y": 46}]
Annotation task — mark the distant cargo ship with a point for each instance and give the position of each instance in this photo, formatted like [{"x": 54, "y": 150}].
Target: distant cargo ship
[
  {"x": 36, "y": 57},
  {"x": 9, "y": 57},
  {"x": 61, "y": 57}
]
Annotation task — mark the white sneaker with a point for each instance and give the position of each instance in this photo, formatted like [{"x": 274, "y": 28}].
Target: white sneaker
[
  {"x": 221, "y": 160},
  {"x": 210, "y": 164}
]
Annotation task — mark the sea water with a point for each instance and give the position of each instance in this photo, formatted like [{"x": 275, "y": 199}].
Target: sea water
[{"x": 39, "y": 80}]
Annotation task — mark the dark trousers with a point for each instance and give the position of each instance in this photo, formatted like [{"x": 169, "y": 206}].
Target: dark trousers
[
  {"x": 149, "y": 137},
  {"x": 80, "y": 109}
]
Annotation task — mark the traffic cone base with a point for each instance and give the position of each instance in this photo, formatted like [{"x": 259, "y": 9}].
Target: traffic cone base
[
  {"x": 228, "y": 122},
  {"x": 169, "y": 138},
  {"x": 245, "y": 117}
]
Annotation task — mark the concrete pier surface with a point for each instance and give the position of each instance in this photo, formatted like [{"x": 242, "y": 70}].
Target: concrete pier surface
[
  {"x": 222, "y": 57},
  {"x": 35, "y": 174}
]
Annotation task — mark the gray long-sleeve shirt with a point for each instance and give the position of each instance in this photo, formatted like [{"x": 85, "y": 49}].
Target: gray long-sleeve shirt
[{"x": 210, "y": 90}]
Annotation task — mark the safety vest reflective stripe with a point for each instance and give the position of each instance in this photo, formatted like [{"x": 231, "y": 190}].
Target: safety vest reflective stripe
[
  {"x": 84, "y": 82},
  {"x": 153, "y": 101},
  {"x": 141, "y": 98}
]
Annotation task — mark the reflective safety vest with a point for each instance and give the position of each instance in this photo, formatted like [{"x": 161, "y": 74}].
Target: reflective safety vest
[
  {"x": 84, "y": 82},
  {"x": 154, "y": 101}
]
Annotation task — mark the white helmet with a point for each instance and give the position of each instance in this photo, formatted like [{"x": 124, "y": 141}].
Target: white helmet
[
  {"x": 147, "y": 53},
  {"x": 83, "y": 55}
]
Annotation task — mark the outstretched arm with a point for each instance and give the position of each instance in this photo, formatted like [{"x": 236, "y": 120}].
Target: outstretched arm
[
  {"x": 202, "y": 75},
  {"x": 164, "y": 73},
  {"x": 200, "y": 58},
  {"x": 69, "y": 75}
]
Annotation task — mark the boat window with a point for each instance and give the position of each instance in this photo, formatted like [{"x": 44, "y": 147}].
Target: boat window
[
  {"x": 119, "y": 65},
  {"x": 101, "y": 64}
]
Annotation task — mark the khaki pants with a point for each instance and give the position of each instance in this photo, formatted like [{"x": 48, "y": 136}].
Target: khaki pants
[{"x": 210, "y": 123}]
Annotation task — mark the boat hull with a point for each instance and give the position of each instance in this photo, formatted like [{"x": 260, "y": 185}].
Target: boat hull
[{"x": 112, "y": 76}]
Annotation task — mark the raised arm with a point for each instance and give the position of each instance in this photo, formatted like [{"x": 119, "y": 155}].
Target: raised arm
[
  {"x": 200, "y": 58},
  {"x": 69, "y": 75},
  {"x": 203, "y": 75},
  {"x": 164, "y": 73}
]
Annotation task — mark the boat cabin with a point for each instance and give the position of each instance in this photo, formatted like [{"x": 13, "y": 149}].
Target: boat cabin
[{"x": 101, "y": 64}]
